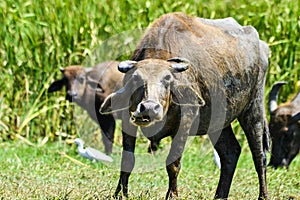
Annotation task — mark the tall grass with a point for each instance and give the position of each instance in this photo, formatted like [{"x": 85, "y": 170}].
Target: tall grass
[{"x": 37, "y": 37}]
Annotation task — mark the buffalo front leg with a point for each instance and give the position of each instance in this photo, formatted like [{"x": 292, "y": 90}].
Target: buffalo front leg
[
  {"x": 179, "y": 138},
  {"x": 128, "y": 158},
  {"x": 229, "y": 151},
  {"x": 173, "y": 163},
  {"x": 173, "y": 171},
  {"x": 252, "y": 122},
  {"x": 127, "y": 165}
]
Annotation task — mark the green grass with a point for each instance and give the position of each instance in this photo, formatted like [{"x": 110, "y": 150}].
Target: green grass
[
  {"x": 37, "y": 37},
  {"x": 46, "y": 172}
]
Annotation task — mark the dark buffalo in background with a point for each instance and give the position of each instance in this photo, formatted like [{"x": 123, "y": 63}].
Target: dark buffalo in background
[
  {"x": 284, "y": 128},
  {"x": 194, "y": 76},
  {"x": 88, "y": 87}
]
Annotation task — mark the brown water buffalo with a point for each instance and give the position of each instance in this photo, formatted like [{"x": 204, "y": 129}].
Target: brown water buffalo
[
  {"x": 88, "y": 87},
  {"x": 194, "y": 76},
  {"x": 284, "y": 128}
]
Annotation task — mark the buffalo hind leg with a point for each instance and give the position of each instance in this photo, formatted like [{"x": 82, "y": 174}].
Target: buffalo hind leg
[
  {"x": 153, "y": 146},
  {"x": 229, "y": 151},
  {"x": 252, "y": 122}
]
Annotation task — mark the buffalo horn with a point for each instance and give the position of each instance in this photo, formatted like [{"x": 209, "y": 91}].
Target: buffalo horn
[
  {"x": 180, "y": 65},
  {"x": 126, "y": 65},
  {"x": 61, "y": 69},
  {"x": 274, "y": 96}
]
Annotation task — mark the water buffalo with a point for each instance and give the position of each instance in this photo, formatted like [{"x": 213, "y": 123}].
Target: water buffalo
[
  {"x": 88, "y": 87},
  {"x": 284, "y": 128},
  {"x": 194, "y": 76}
]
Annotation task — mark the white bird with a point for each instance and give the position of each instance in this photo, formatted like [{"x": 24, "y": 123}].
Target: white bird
[
  {"x": 217, "y": 159},
  {"x": 91, "y": 153}
]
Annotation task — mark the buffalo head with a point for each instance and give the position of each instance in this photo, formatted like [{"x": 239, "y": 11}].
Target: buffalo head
[
  {"x": 76, "y": 79},
  {"x": 150, "y": 87},
  {"x": 284, "y": 129}
]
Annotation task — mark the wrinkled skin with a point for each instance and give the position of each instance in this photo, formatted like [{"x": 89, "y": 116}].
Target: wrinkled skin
[
  {"x": 88, "y": 87},
  {"x": 284, "y": 128},
  {"x": 191, "y": 76}
]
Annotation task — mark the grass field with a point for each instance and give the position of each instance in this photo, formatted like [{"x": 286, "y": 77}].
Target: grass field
[
  {"x": 55, "y": 171},
  {"x": 37, "y": 37}
]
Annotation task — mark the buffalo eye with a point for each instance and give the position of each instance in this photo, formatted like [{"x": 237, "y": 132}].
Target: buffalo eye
[
  {"x": 167, "y": 77},
  {"x": 167, "y": 80},
  {"x": 136, "y": 78},
  {"x": 80, "y": 79}
]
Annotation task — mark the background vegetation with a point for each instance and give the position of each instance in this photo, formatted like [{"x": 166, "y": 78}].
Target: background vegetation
[{"x": 37, "y": 37}]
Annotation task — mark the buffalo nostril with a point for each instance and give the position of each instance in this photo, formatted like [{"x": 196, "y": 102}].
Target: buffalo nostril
[
  {"x": 142, "y": 108},
  {"x": 156, "y": 108},
  {"x": 149, "y": 109}
]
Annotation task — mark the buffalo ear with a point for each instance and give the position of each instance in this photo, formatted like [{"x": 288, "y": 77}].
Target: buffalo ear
[
  {"x": 179, "y": 64},
  {"x": 126, "y": 65},
  {"x": 115, "y": 102},
  {"x": 185, "y": 95},
  {"x": 93, "y": 79},
  {"x": 56, "y": 85},
  {"x": 94, "y": 84}
]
